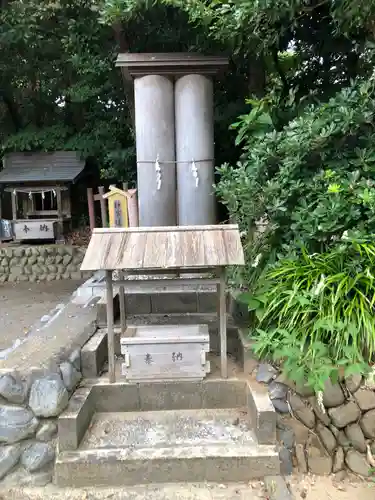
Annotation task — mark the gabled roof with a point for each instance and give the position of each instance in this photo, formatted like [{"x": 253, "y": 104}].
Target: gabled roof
[
  {"x": 115, "y": 190},
  {"x": 170, "y": 247},
  {"x": 63, "y": 166}
]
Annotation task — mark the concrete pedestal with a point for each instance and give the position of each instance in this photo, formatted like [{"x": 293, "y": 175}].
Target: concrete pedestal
[
  {"x": 195, "y": 150},
  {"x": 155, "y": 139}
]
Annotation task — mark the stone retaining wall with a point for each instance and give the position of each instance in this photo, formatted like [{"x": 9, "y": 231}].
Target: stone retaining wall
[
  {"x": 39, "y": 263},
  {"x": 28, "y": 423},
  {"x": 37, "y": 380},
  {"x": 340, "y": 424}
]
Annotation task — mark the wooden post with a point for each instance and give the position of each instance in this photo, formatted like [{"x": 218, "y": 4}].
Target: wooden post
[
  {"x": 122, "y": 304},
  {"x": 103, "y": 208},
  {"x": 60, "y": 223},
  {"x": 90, "y": 202},
  {"x": 0, "y": 217},
  {"x": 223, "y": 325},
  {"x": 133, "y": 208},
  {"x": 110, "y": 328},
  {"x": 14, "y": 205}
]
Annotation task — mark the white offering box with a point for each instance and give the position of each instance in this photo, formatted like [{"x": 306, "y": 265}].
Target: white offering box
[{"x": 165, "y": 353}]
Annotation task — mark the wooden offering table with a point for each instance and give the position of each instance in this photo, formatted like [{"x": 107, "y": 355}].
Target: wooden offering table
[{"x": 201, "y": 252}]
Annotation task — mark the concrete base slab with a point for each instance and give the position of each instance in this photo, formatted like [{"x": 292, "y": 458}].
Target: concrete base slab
[
  {"x": 125, "y": 434},
  {"x": 127, "y": 466},
  {"x": 169, "y": 429}
]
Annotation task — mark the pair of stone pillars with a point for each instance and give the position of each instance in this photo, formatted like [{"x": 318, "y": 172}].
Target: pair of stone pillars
[{"x": 174, "y": 136}]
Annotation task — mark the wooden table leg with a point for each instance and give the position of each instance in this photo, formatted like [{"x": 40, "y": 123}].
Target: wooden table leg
[
  {"x": 223, "y": 325},
  {"x": 110, "y": 328},
  {"x": 122, "y": 303}
]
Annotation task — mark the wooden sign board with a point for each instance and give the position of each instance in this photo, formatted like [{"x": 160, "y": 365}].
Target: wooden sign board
[{"x": 28, "y": 229}]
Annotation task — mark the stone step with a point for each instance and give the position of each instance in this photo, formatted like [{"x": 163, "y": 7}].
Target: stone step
[{"x": 167, "y": 446}]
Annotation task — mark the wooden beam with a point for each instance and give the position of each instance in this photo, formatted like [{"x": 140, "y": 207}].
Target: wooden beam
[
  {"x": 35, "y": 189},
  {"x": 223, "y": 325},
  {"x": 90, "y": 202},
  {"x": 14, "y": 205},
  {"x": 103, "y": 207},
  {"x": 1, "y": 194},
  {"x": 60, "y": 223},
  {"x": 163, "y": 229},
  {"x": 122, "y": 304},
  {"x": 176, "y": 282},
  {"x": 110, "y": 328}
]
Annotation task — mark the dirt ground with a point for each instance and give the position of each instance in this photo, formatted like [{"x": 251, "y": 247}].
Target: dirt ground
[
  {"x": 23, "y": 304},
  {"x": 305, "y": 487},
  {"x": 328, "y": 488}
]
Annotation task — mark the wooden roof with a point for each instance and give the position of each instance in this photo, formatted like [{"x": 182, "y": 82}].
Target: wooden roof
[
  {"x": 174, "y": 247},
  {"x": 62, "y": 166},
  {"x": 172, "y": 63},
  {"x": 115, "y": 190}
]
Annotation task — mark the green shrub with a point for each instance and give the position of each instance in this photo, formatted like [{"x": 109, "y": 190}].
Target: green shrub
[
  {"x": 309, "y": 182},
  {"x": 315, "y": 312}
]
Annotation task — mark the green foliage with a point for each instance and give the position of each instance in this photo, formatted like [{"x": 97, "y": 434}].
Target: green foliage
[
  {"x": 58, "y": 85},
  {"x": 314, "y": 313},
  {"x": 309, "y": 182}
]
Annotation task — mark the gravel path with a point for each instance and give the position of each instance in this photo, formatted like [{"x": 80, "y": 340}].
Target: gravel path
[{"x": 23, "y": 304}]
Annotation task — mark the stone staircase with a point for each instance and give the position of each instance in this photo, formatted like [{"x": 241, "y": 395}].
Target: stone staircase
[{"x": 122, "y": 434}]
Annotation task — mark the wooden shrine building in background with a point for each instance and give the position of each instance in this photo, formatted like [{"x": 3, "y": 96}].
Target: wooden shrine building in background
[{"x": 39, "y": 188}]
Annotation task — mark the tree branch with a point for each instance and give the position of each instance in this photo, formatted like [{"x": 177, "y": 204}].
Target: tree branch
[
  {"x": 124, "y": 46},
  {"x": 12, "y": 109}
]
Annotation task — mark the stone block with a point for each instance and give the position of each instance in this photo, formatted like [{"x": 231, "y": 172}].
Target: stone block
[
  {"x": 46, "y": 431},
  {"x": 247, "y": 358},
  {"x": 262, "y": 415},
  {"x": 48, "y": 396},
  {"x": 170, "y": 303},
  {"x": 73, "y": 423},
  {"x": 207, "y": 302},
  {"x": 9, "y": 457},
  {"x": 367, "y": 424},
  {"x": 326, "y": 437},
  {"x": 219, "y": 393},
  {"x": 116, "y": 397},
  {"x": 170, "y": 396},
  {"x": 94, "y": 354},
  {"x": 101, "y": 310},
  {"x": 16, "y": 423},
  {"x": 37, "y": 455},
  {"x": 365, "y": 399},
  {"x": 357, "y": 463},
  {"x": 355, "y": 437},
  {"x": 345, "y": 414},
  {"x": 137, "y": 303},
  {"x": 333, "y": 395},
  {"x": 13, "y": 389},
  {"x": 302, "y": 411}
]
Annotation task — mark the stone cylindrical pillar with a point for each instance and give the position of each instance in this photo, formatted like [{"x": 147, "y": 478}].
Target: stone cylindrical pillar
[
  {"x": 155, "y": 140},
  {"x": 195, "y": 150}
]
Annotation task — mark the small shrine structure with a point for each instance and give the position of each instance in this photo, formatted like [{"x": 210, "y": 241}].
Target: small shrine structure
[
  {"x": 122, "y": 207},
  {"x": 39, "y": 185},
  {"x": 201, "y": 252}
]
